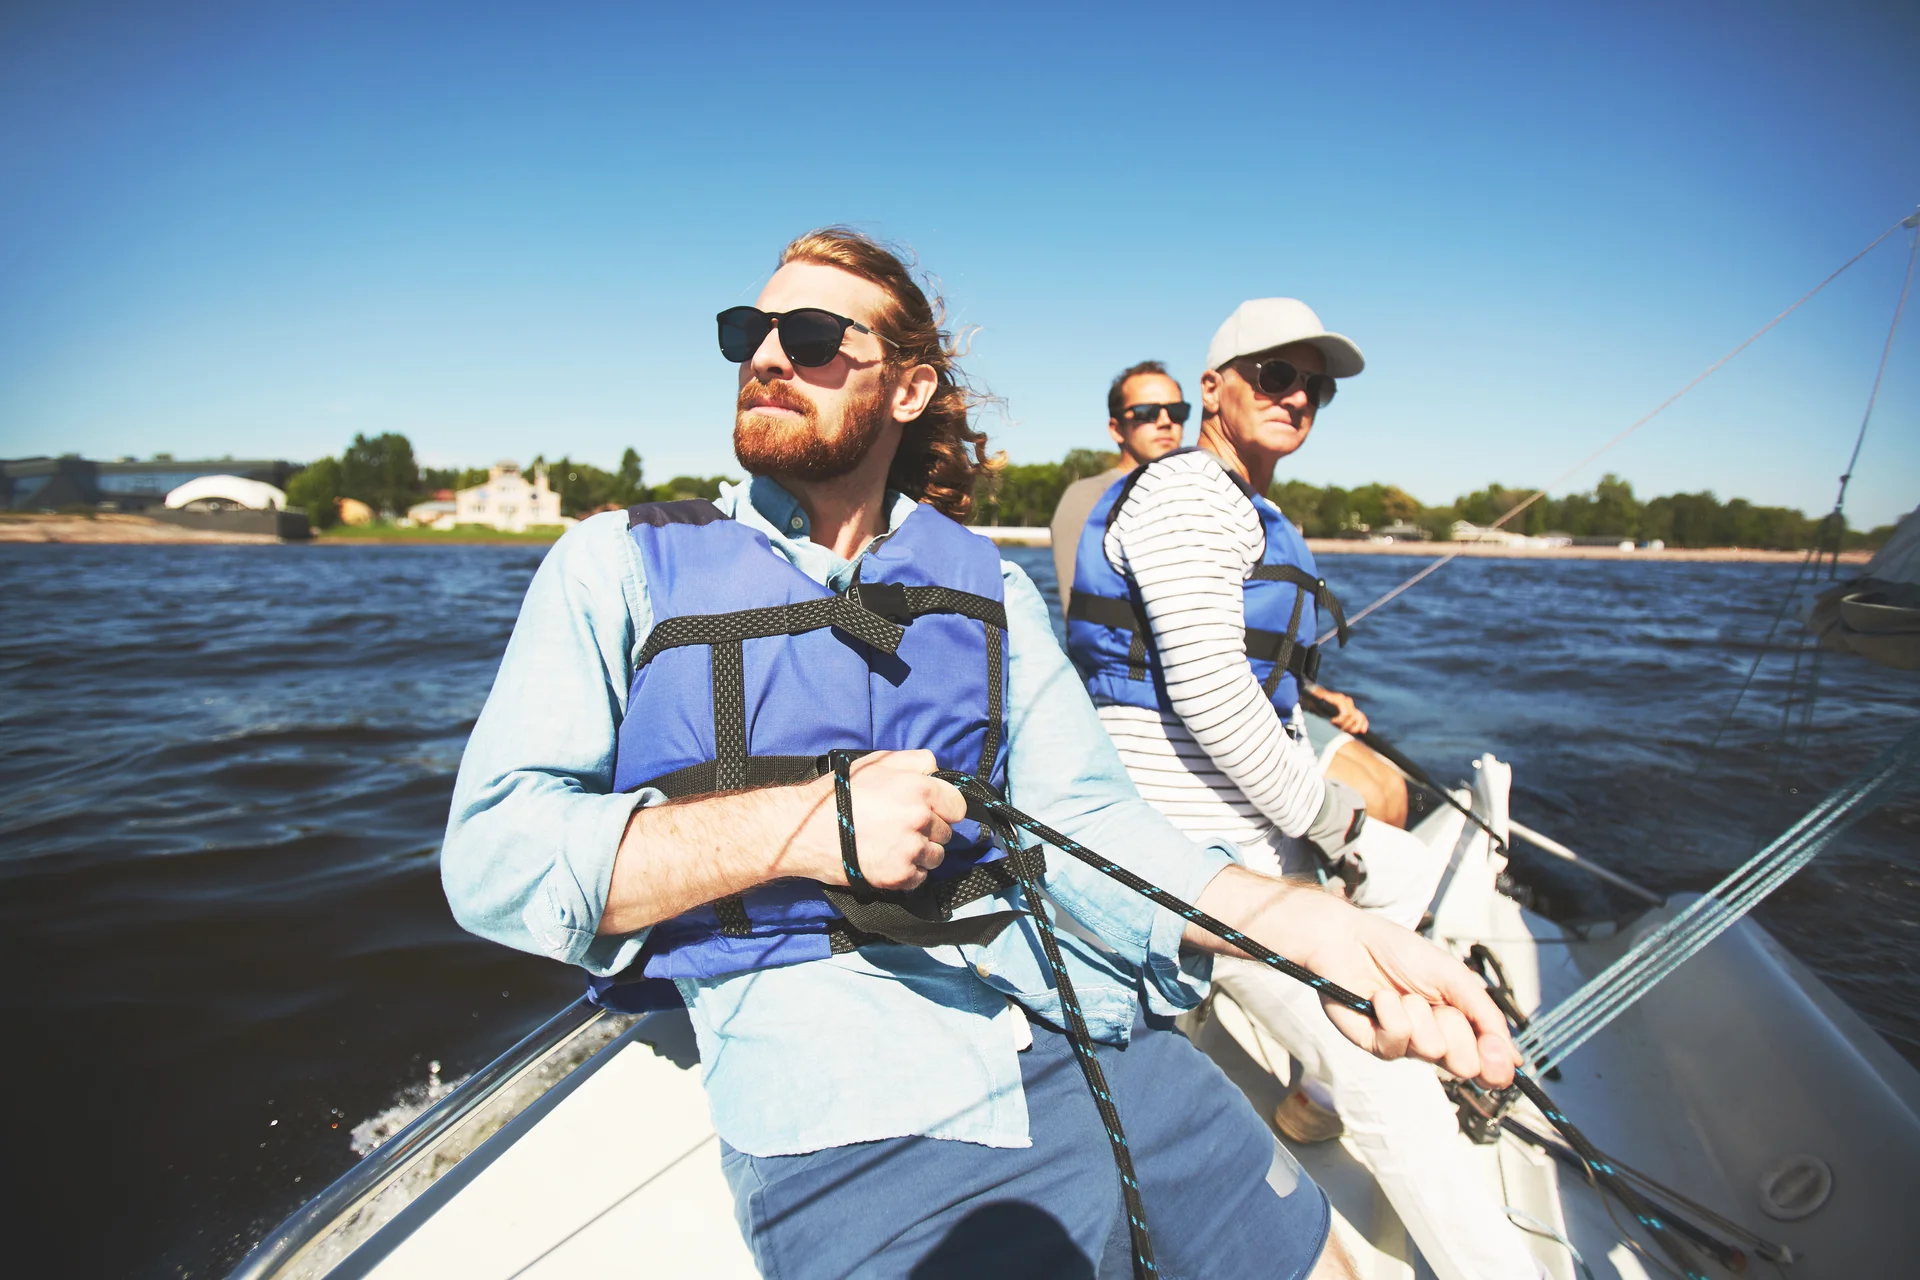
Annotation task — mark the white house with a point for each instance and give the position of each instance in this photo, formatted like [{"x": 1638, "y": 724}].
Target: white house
[
  {"x": 435, "y": 513},
  {"x": 508, "y": 500}
]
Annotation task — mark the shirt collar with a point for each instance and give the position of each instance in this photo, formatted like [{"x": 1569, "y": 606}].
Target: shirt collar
[{"x": 761, "y": 503}]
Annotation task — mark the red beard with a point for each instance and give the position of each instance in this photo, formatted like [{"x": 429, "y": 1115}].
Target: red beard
[{"x": 768, "y": 446}]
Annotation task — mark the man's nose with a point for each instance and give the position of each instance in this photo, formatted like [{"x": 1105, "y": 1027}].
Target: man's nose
[{"x": 770, "y": 362}]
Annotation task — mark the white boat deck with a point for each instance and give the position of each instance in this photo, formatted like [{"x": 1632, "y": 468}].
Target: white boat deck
[{"x": 1740, "y": 1060}]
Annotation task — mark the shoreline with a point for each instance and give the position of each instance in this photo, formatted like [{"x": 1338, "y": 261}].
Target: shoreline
[
  {"x": 1039, "y": 536},
  {"x": 108, "y": 528},
  {"x": 1494, "y": 551},
  {"x": 114, "y": 528}
]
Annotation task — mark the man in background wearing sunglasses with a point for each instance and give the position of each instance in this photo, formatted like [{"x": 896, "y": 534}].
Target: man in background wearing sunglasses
[
  {"x": 1195, "y": 611},
  {"x": 1146, "y": 416},
  {"x": 662, "y": 789}
]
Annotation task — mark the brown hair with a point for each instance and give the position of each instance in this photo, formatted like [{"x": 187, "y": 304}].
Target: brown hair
[
  {"x": 941, "y": 456},
  {"x": 1116, "y": 402}
]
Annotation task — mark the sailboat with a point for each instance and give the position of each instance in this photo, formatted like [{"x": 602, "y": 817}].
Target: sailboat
[{"x": 1756, "y": 1118}]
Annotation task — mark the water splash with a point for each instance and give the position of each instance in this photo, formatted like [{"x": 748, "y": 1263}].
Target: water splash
[{"x": 406, "y": 1106}]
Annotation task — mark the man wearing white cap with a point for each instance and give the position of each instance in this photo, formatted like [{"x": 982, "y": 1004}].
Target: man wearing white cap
[{"x": 1195, "y": 612}]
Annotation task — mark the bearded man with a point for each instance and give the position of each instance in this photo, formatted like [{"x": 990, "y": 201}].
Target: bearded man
[{"x": 651, "y": 794}]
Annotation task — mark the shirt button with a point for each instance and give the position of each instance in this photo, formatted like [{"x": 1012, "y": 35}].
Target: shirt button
[
  {"x": 795, "y": 523},
  {"x": 983, "y": 971}
]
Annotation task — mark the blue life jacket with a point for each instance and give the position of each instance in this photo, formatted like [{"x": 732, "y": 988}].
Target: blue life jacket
[
  {"x": 753, "y": 671},
  {"x": 1112, "y": 646}
]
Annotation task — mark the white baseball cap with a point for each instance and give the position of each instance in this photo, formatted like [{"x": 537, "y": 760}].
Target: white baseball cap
[{"x": 1261, "y": 324}]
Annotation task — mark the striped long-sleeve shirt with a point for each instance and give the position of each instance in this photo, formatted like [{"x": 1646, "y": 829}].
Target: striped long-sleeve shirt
[{"x": 1221, "y": 763}]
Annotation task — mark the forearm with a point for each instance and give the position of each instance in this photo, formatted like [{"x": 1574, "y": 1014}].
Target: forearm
[
  {"x": 1280, "y": 914},
  {"x": 675, "y": 857}
]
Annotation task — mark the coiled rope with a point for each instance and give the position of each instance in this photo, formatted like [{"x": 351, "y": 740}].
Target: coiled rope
[
  {"x": 1574, "y": 1021},
  {"x": 1006, "y": 822}
]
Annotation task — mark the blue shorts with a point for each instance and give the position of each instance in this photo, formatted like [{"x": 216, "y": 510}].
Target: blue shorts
[{"x": 933, "y": 1209}]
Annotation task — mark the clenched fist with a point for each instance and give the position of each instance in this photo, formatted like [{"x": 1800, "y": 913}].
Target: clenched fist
[{"x": 902, "y": 820}]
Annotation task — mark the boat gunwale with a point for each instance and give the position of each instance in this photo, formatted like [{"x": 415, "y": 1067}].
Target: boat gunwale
[{"x": 380, "y": 1168}]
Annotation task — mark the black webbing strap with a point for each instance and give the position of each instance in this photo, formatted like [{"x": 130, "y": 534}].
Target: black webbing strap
[
  {"x": 915, "y": 919},
  {"x": 996, "y": 676},
  {"x": 1316, "y": 587},
  {"x": 873, "y": 612},
  {"x": 878, "y": 614},
  {"x": 1121, "y": 615},
  {"x": 983, "y": 879},
  {"x": 1289, "y": 644},
  {"x": 729, "y": 716},
  {"x": 772, "y": 620},
  {"x": 755, "y": 771},
  {"x": 1303, "y": 660}
]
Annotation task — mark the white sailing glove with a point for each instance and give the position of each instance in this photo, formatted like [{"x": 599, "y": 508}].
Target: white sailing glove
[{"x": 1336, "y": 834}]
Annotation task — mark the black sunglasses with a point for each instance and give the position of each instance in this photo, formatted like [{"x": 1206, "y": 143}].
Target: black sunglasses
[
  {"x": 1277, "y": 378},
  {"x": 1141, "y": 414},
  {"x": 810, "y": 337}
]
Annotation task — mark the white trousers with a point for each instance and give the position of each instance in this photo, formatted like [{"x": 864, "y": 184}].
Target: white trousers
[{"x": 1397, "y": 1119}]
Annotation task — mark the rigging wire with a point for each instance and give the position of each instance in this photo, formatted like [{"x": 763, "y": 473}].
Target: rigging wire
[
  {"x": 1559, "y": 1031},
  {"x": 1353, "y": 619},
  {"x": 1832, "y": 528}
]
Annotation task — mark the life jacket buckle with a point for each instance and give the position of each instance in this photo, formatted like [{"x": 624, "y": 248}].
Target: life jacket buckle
[{"x": 888, "y": 599}]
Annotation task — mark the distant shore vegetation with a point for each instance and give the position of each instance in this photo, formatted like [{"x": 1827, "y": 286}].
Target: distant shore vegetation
[
  {"x": 1026, "y": 494},
  {"x": 381, "y": 472}
]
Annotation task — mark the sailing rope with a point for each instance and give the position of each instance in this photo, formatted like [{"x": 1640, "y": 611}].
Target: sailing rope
[
  {"x": 1441, "y": 563},
  {"x": 1007, "y": 822},
  {"x": 1570, "y": 1024}
]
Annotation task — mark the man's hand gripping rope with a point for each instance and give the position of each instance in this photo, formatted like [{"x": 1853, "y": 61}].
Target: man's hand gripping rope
[{"x": 1421, "y": 1005}]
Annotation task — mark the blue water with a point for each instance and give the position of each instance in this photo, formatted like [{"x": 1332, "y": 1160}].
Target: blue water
[{"x": 224, "y": 773}]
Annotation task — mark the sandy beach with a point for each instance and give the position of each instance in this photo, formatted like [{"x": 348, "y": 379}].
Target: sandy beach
[
  {"x": 112, "y": 528},
  {"x": 1025, "y": 536},
  {"x": 1494, "y": 551}
]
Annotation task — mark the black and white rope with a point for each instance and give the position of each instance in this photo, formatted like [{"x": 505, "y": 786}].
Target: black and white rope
[{"x": 1006, "y": 821}]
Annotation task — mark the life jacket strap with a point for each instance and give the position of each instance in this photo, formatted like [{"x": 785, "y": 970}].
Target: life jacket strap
[
  {"x": 873, "y": 612},
  {"x": 1316, "y": 587},
  {"x": 924, "y": 918},
  {"x": 1121, "y": 615},
  {"x": 877, "y": 613},
  {"x": 1283, "y": 649}
]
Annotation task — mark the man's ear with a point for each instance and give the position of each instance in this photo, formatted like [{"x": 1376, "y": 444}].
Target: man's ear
[
  {"x": 1210, "y": 392},
  {"x": 1119, "y": 436},
  {"x": 914, "y": 392}
]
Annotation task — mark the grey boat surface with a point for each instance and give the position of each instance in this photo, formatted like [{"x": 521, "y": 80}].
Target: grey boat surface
[{"x": 1765, "y": 1109}]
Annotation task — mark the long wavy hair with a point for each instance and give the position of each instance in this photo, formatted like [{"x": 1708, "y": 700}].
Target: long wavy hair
[{"x": 941, "y": 456}]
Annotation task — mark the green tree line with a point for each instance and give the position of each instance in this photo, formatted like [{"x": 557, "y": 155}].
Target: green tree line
[
  {"x": 381, "y": 471},
  {"x": 1027, "y": 494}
]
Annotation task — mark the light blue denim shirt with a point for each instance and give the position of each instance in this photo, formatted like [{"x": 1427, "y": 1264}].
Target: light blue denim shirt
[{"x": 882, "y": 1042}]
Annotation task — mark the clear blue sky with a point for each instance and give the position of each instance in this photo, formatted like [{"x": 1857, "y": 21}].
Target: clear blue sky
[{"x": 257, "y": 228}]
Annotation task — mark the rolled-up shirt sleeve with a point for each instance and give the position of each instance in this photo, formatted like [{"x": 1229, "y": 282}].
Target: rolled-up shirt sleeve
[
  {"x": 1063, "y": 769},
  {"x": 536, "y": 822}
]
